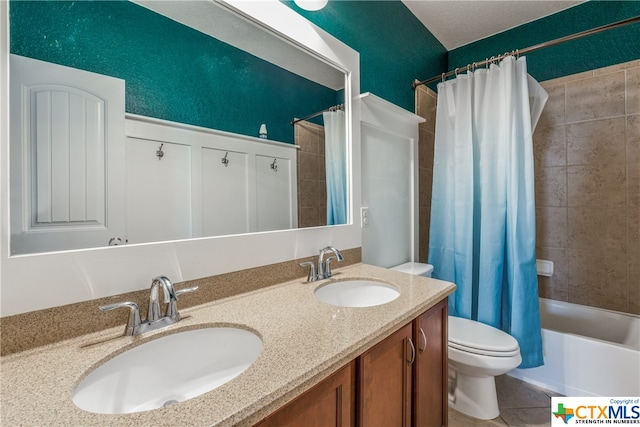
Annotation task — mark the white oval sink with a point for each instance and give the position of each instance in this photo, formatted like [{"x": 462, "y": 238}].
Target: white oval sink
[
  {"x": 356, "y": 293},
  {"x": 168, "y": 370}
]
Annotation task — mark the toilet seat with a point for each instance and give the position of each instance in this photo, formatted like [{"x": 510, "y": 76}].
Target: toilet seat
[{"x": 477, "y": 338}]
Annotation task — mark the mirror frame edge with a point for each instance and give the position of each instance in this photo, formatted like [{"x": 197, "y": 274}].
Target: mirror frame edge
[{"x": 34, "y": 282}]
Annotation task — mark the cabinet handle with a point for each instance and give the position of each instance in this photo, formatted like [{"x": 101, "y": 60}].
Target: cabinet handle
[
  {"x": 413, "y": 352},
  {"x": 424, "y": 337}
]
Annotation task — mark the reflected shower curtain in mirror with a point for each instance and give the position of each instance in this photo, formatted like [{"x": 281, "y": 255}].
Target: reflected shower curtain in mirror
[
  {"x": 335, "y": 149},
  {"x": 482, "y": 234}
]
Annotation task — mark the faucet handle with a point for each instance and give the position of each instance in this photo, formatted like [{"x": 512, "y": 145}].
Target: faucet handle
[
  {"x": 179, "y": 292},
  {"x": 312, "y": 277},
  {"x": 327, "y": 268},
  {"x": 172, "y": 307},
  {"x": 133, "y": 322}
]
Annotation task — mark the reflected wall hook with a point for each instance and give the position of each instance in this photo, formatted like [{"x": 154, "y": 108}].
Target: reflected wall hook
[
  {"x": 224, "y": 160},
  {"x": 274, "y": 167},
  {"x": 160, "y": 153}
]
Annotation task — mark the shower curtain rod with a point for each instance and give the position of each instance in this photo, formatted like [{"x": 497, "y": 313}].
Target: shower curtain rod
[
  {"x": 334, "y": 108},
  {"x": 518, "y": 52}
]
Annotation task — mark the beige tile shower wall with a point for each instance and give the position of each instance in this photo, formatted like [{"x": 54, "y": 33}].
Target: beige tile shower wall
[
  {"x": 426, "y": 108},
  {"x": 587, "y": 163},
  {"x": 312, "y": 186}
]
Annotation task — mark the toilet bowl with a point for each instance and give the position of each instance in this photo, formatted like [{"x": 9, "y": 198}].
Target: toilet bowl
[{"x": 477, "y": 354}]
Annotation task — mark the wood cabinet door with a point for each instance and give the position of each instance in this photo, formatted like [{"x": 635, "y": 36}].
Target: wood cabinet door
[
  {"x": 329, "y": 403},
  {"x": 384, "y": 382},
  {"x": 430, "y": 371}
]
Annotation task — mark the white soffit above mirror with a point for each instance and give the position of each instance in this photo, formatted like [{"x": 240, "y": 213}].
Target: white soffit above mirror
[{"x": 216, "y": 20}]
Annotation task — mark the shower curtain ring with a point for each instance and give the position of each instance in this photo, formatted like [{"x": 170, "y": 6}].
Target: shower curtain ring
[
  {"x": 443, "y": 77},
  {"x": 517, "y": 54},
  {"x": 456, "y": 71}
]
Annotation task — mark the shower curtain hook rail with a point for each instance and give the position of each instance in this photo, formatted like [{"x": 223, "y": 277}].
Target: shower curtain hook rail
[
  {"x": 333, "y": 108},
  {"x": 488, "y": 61}
]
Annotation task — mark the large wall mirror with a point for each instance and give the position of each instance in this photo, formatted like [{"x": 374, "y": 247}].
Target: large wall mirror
[
  {"x": 213, "y": 77},
  {"x": 307, "y": 71}
]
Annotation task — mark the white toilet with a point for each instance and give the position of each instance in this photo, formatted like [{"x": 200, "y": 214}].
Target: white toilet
[{"x": 477, "y": 354}]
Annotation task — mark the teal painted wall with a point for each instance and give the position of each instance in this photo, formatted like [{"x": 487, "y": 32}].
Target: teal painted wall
[
  {"x": 599, "y": 50},
  {"x": 395, "y": 48},
  {"x": 172, "y": 72}
]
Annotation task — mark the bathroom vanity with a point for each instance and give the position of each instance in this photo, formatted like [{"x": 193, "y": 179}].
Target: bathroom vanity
[
  {"x": 323, "y": 362},
  {"x": 401, "y": 381}
]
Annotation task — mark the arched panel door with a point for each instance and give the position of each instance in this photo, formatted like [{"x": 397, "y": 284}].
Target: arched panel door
[{"x": 67, "y": 158}]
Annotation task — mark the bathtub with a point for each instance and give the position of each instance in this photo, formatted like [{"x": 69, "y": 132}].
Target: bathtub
[{"x": 587, "y": 351}]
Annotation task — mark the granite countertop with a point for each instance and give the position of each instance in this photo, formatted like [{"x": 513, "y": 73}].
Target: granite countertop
[{"x": 305, "y": 340}]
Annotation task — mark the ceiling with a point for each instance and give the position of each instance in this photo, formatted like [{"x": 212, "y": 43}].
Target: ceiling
[{"x": 456, "y": 23}]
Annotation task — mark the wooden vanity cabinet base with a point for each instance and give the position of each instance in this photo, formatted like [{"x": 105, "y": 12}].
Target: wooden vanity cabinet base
[
  {"x": 329, "y": 403},
  {"x": 384, "y": 382},
  {"x": 430, "y": 371},
  {"x": 399, "y": 382}
]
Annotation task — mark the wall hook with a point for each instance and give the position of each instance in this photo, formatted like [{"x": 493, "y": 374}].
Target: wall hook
[
  {"x": 274, "y": 167},
  {"x": 225, "y": 160},
  {"x": 160, "y": 153}
]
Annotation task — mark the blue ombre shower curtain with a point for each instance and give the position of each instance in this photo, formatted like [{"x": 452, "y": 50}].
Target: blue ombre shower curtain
[
  {"x": 335, "y": 159},
  {"x": 482, "y": 234}
]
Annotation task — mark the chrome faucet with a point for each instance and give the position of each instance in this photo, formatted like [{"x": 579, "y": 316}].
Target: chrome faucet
[
  {"x": 153, "y": 311},
  {"x": 323, "y": 271},
  {"x": 324, "y": 267},
  {"x": 154, "y": 319}
]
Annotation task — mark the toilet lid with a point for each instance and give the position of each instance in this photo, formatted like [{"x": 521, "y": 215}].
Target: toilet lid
[
  {"x": 415, "y": 268},
  {"x": 475, "y": 337}
]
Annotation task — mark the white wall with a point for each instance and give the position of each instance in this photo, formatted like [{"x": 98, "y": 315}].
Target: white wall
[{"x": 389, "y": 137}]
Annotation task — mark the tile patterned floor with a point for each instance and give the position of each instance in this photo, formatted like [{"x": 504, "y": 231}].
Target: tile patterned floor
[{"x": 521, "y": 405}]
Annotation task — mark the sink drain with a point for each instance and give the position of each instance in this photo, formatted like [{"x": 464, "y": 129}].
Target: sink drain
[{"x": 169, "y": 403}]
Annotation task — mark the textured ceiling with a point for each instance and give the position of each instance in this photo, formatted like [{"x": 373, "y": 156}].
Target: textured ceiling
[{"x": 457, "y": 23}]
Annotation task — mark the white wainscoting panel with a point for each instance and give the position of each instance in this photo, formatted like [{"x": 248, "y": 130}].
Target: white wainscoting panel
[
  {"x": 225, "y": 193},
  {"x": 158, "y": 191},
  {"x": 274, "y": 201},
  {"x": 241, "y": 194}
]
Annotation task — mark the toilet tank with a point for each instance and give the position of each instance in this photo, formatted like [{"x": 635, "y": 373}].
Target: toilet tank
[{"x": 415, "y": 268}]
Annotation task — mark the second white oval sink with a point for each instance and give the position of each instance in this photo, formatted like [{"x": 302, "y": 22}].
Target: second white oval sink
[
  {"x": 356, "y": 293},
  {"x": 168, "y": 370}
]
